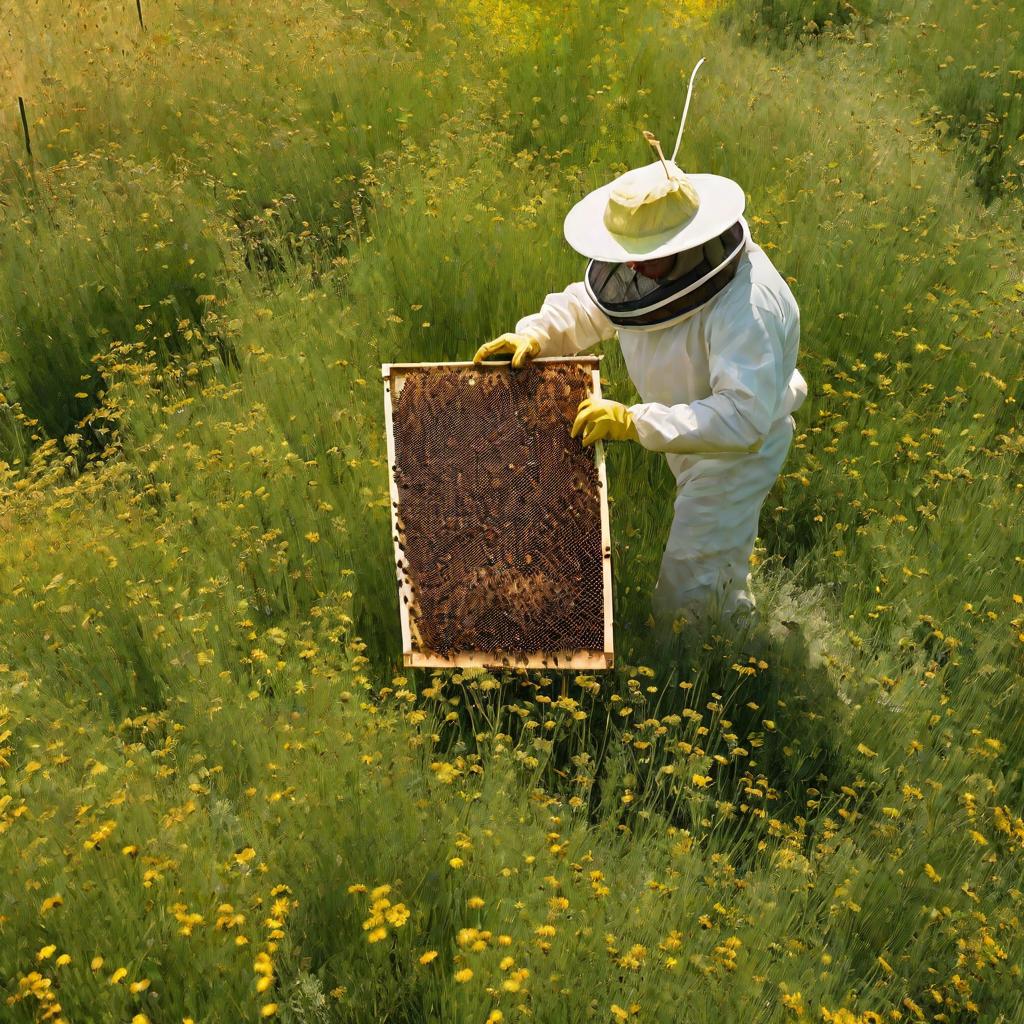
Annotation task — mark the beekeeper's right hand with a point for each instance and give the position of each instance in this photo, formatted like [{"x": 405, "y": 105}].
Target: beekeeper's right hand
[{"x": 518, "y": 346}]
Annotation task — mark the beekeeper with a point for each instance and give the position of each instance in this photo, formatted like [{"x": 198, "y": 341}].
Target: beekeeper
[{"x": 710, "y": 333}]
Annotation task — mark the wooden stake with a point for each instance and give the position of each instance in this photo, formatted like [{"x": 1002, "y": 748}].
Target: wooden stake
[
  {"x": 138, "y": 7},
  {"x": 649, "y": 136},
  {"x": 24, "y": 126}
]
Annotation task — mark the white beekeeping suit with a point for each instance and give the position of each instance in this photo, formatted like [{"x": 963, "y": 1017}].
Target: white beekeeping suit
[
  {"x": 710, "y": 333},
  {"x": 718, "y": 388}
]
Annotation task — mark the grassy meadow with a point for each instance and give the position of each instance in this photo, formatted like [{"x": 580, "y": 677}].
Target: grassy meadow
[{"x": 222, "y": 800}]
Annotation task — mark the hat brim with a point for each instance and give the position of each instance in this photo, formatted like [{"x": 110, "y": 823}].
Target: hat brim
[{"x": 721, "y": 204}]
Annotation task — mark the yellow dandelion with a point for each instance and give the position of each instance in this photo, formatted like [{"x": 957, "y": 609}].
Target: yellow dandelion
[
  {"x": 268, "y": 1009},
  {"x": 429, "y": 957},
  {"x": 46, "y": 952},
  {"x": 474, "y": 903},
  {"x": 464, "y": 975},
  {"x": 377, "y": 934},
  {"x": 118, "y": 976},
  {"x": 397, "y": 915}
]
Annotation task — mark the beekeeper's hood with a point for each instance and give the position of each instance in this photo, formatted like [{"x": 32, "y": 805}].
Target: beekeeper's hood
[{"x": 656, "y": 211}]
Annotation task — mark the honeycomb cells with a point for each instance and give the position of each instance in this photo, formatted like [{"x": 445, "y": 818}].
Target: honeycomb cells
[{"x": 499, "y": 510}]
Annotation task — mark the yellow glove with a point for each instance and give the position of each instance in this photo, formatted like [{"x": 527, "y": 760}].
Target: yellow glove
[
  {"x": 518, "y": 346},
  {"x": 600, "y": 419}
]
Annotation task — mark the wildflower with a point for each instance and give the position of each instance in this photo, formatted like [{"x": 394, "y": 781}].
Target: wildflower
[
  {"x": 474, "y": 903},
  {"x": 118, "y": 976},
  {"x": 397, "y": 915},
  {"x": 429, "y": 957},
  {"x": 268, "y": 1009},
  {"x": 444, "y": 772},
  {"x": 464, "y": 975},
  {"x": 794, "y": 1001},
  {"x": 46, "y": 952},
  {"x": 913, "y": 1007}
]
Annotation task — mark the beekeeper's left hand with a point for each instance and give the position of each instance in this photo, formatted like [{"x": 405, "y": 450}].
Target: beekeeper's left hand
[{"x": 601, "y": 419}]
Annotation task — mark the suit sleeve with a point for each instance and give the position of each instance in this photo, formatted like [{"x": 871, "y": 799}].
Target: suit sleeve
[
  {"x": 568, "y": 322},
  {"x": 745, "y": 357}
]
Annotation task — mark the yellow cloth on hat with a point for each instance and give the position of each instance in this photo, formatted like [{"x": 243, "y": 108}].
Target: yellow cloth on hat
[{"x": 646, "y": 201}]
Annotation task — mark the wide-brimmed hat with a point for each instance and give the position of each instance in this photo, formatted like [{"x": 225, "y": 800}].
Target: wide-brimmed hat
[
  {"x": 655, "y": 210},
  {"x": 720, "y": 204}
]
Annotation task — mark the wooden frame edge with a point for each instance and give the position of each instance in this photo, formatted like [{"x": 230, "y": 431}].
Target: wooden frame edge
[
  {"x": 575, "y": 661},
  {"x": 404, "y": 589},
  {"x": 386, "y": 368},
  {"x": 606, "y": 541}
]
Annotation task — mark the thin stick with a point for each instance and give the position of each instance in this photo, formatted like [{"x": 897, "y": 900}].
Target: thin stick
[
  {"x": 657, "y": 148},
  {"x": 138, "y": 7},
  {"x": 24, "y": 125},
  {"x": 686, "y": 109}
]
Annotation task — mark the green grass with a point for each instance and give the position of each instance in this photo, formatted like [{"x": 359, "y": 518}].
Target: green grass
[{"x": 231, "y": 220}]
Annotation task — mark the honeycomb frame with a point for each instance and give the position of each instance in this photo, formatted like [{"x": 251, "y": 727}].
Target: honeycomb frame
[{"x": 415, "y": 652}]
